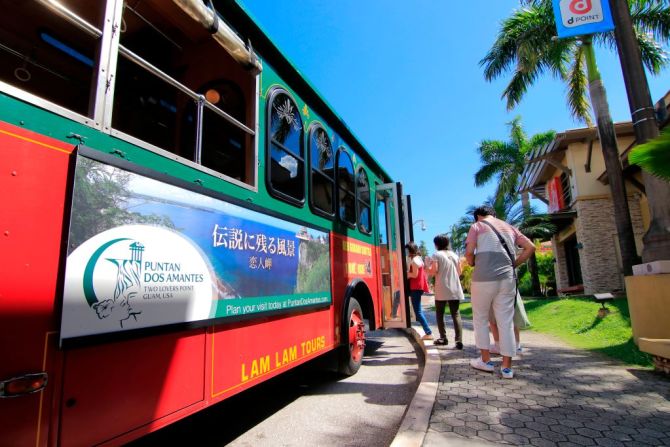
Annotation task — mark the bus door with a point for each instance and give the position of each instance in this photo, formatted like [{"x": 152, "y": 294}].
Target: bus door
[{"x": 391, "y": 260}]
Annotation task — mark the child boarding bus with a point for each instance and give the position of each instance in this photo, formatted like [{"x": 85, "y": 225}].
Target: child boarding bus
[{"x": 183, "y": 217}]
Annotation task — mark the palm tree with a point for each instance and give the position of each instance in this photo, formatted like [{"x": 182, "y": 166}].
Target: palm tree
[
  {"x": 504, "y": 161},
  {"x": 458, "y": 232},
  {"x": 526, "y": 45}
]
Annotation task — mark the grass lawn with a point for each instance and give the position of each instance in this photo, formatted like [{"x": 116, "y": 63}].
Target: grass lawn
[{"x": 575, "y": 321}]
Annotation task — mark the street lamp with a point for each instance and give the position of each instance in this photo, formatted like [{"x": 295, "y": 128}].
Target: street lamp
[{"x": 423, "y": 224}]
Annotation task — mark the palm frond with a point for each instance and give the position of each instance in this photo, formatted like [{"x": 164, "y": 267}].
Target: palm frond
[
  {"x": 517, "y": 134},
  {"x": 651, "y": 17},
  {"x": 577, "y": 87},
  {"x": 496, "y": 156},
  {"x": 533, "y": 26},
  {"x": 558, "y": 57},
  {"x": 487, "y": 172},
  {"x": 653, "y": 56},
  {"x": 654, "y": 156},
  {"x": 607, "y": 40},
  {"x": 517, "y": 87},
  {"x": 515, "y": 215},
  {"x": 492, "y": 150},
  {"x": 539, "y": 140},
  {"x": 508, "y": 208},
  {"x": 537, "y": 226},
  {"x": 651, "y": 20}
]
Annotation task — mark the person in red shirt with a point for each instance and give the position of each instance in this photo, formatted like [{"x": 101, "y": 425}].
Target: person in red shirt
[{"x": 418, "y": 285}]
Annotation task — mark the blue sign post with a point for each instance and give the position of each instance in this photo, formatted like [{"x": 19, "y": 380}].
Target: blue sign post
[{"x": 581, "y": 17}]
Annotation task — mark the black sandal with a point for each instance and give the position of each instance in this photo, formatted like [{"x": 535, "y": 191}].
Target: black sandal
[{"x": 441, "y": 342}]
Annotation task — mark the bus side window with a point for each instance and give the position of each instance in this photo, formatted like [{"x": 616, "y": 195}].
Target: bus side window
[
  {"x": 285, "y": 158},
  {"x": 363, "y": 194},
  {"x": 346, "y": 190},
  {"x": 190, "y": 87},
  {"x": 322, "y": 183},
  {"x": 223, "y": 144},
  {"x": 45, "y": 55}
]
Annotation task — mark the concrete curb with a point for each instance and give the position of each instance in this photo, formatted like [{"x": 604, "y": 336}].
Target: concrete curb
[{"x": 414, "y": 424}]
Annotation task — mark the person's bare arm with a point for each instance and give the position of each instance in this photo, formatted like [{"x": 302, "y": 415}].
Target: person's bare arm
[
  {"x": 470, "y": 252},
  {"x": 527, "y": 249},
  {"x": 413, "y": 272},
  {"x": 432, "y": 268}
]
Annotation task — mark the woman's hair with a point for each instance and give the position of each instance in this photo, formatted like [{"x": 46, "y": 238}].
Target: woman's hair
[
  {"x": 441, "y": 242},
  {"x": 413, "y": 248},
  {"x": 483, "y": 211}
]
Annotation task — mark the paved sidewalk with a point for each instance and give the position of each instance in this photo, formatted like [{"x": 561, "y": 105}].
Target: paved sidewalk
[{"x": 560, "y": 396}]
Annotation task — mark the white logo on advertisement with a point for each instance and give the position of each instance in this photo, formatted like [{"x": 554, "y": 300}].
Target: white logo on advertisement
[
  {"x": 132, "y": 277},
  {"x": 581, "y": 12}
]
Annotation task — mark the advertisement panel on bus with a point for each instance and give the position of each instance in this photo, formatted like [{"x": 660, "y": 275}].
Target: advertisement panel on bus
[{"x": 144, "y": 253}]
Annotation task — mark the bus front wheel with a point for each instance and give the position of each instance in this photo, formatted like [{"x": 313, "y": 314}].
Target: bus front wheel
[{"x": 351, "y": 354}]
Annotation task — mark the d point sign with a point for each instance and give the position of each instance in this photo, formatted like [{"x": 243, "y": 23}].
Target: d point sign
[{"x": 581, "y": 17}]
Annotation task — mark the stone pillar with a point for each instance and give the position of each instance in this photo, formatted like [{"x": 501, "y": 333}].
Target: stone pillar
[
  {"x": 598, "y": 256},
  {"x": 596, "y": 231},
  {"x": 560, "y": 264}
]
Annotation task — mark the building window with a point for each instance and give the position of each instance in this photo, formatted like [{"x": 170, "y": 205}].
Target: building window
[
  {"x": 346, "y": 189},
  {"x": 363, "y": 194},
  {"x": 286, "y": 160},
  {"x": 322, "y": 183},
  {"x": 565, "y": 185}
]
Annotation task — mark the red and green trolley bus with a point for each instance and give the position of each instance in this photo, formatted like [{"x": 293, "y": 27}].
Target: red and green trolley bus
[{"x": 183, "y": 217}]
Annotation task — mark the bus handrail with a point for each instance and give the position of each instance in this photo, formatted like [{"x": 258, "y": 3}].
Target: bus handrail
[
  {"x": 71, "y": 17},
  {"x": 221, "y": 33},
  {"x": 85, "y": 26},
  {"x": 181, "y": 87}
]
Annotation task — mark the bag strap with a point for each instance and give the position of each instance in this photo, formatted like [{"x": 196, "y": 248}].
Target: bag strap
[{"x": 503, "y": 242}]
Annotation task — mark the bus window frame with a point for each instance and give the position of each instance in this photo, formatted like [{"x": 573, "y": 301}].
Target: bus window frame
[
  {"x": 343, "y": 150},
  {"x": 314, "y": 127},
  {"x": 192, "y": 163},
  {"x": 105, "y": 67},
  {"x": 97, "y": 97},
  {"x": 359, "y": 201},
  {"x": 200, "y": 102},
  {"x": 271, "y": 96}
]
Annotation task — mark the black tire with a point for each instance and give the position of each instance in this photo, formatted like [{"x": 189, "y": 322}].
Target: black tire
[{"x": 353, "y": 335}]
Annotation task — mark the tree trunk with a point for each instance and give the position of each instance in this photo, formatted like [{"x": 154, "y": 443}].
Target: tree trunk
[
  {"x": 532, "y": 261},
  {"x": 657, "y": 239},
  {"x": 610, "y": 150}
]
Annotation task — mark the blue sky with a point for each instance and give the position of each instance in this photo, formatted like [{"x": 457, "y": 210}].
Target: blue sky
[{"x": 406, "y": 79}]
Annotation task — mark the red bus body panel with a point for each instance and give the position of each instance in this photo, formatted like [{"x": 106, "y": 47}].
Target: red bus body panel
[
  {"x": 113, "y": 392},
  {"x": 33, "y": 181}
]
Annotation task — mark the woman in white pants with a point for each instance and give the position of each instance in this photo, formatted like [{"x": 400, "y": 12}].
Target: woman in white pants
[{"x": 494, "y": 243}]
